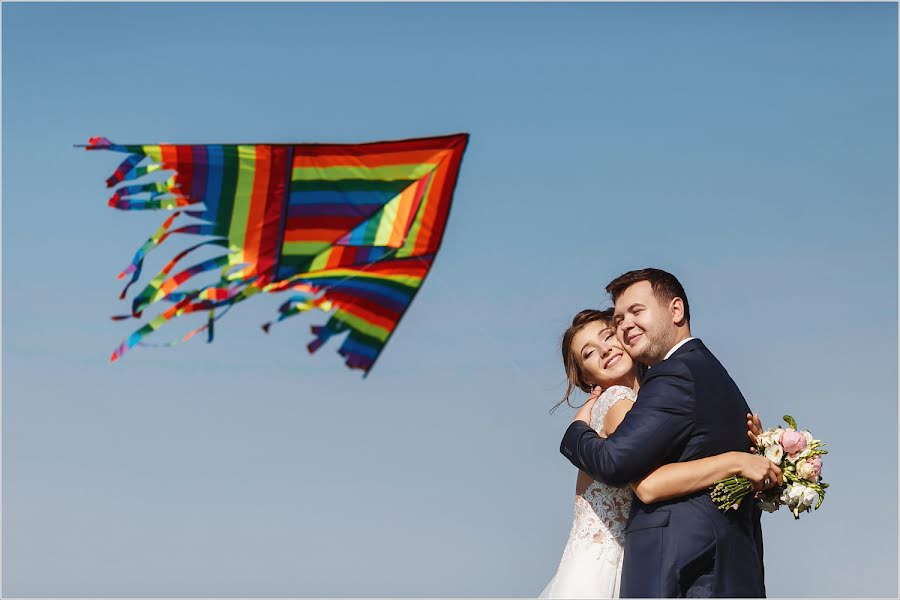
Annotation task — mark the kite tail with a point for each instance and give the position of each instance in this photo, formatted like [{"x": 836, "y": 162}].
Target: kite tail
[
  {"x": 125, "y": 169},
  {"x": 135, "y": 267},
  {"x": 296, "y": 305},
  {"x": 150, "y": 327},
  {"x": 155, "y": 240},
  {"x": 209, "y": 298},
  {"x": 160, "y": 287}
]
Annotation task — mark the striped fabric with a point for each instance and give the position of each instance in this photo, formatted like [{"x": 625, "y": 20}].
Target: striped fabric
[{"x": 349, "y": 229}]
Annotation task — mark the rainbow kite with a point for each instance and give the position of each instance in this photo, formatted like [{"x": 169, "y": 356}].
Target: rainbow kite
[{"x": 350, "y": 229}]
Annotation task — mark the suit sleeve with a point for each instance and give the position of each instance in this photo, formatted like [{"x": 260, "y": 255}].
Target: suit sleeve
[{"x": 661, "y": 420}]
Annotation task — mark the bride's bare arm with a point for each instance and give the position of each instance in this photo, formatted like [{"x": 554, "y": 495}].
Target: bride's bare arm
[
  {"x": 678, "y": 479},
  {"x": 584, "y": 414}
]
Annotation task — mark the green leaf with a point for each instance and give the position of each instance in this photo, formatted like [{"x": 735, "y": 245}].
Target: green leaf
[{"x": 790, "y": 421}]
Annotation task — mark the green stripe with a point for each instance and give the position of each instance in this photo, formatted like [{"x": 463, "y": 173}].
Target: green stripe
[
  {"x": 295, "y": 264},
  {"x": 373, "y": 331},
  {"x": 415, "y": 171},
  {"x": 303, "y": 248},
  {"x": 226, "y": 196},
  {"x": 243, "y": 195}
]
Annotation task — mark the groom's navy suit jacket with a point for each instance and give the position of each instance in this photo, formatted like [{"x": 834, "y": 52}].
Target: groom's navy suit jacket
[{"x": 688, "y": 407}]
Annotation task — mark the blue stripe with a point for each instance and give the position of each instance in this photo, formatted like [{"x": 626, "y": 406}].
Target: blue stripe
[
  {"x": 213, "y": 181},
  {"x": 365, "y": 197},
  {"x": 355, "y": 347},
  {"x": 332, "y": 210}
]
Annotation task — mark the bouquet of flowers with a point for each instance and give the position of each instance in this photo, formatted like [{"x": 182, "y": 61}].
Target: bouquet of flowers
[{"x": 798, "y": 455}]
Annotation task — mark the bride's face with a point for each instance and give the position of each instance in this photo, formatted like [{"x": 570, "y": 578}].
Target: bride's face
[{"x": 602, "y": 359}]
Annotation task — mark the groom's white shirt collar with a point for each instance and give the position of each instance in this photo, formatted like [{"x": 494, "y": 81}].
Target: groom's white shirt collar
[
  {"x": 677, "y": 346},
  {"x": 674, "y": 348}
]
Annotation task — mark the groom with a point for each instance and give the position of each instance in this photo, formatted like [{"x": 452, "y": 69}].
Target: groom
[{"x": 688, "y": 407}]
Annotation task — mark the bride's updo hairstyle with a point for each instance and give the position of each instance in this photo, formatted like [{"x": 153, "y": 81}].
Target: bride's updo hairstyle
[{"x": 574, "y": 376}]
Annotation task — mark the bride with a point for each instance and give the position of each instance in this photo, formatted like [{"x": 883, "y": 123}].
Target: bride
[{"x": 595, "y": 361}]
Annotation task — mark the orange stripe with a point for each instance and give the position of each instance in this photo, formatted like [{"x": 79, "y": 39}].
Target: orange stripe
[
  {"x": 398, "y": 227},
  {"x": 336, "y": 256},
  {"x": 432, "y": 209},
  {"x": 257, "y": 208},
  {"x": 370, "y": 160},
  {"x": 169, "y": 154}
]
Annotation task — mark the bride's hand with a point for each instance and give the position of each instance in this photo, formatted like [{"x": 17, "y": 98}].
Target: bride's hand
[
  {"x": 584, "y": 413},
  {"x": 754, "y": 430},
  {"x": 761, "y": 471}
]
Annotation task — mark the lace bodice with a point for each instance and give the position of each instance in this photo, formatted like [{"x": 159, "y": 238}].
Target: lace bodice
[{"x": 601, "y": 510}]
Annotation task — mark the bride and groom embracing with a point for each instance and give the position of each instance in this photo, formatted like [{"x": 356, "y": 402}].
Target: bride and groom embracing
[{"x": 664, "y": 422}]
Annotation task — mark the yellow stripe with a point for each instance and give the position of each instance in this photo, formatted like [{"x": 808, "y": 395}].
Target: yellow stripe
[
  {"x": 154, "y": 152},
  {"x": 369, "y": 329},
  {"x": 387, "y": 172},
  {"x": 321, "y": 260},
  {"x": 386, "y": 223}
]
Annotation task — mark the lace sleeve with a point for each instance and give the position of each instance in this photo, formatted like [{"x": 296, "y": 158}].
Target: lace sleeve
[
  {"x": 620, "y": 392},
  {"x": 609, "y": 397}
]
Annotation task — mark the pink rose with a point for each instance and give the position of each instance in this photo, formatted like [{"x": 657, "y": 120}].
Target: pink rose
[
  {"x": 793, "y": 441},
  {"x": 816, "y": 463}
]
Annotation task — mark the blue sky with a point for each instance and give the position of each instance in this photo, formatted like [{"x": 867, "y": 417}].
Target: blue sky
[{"x": 749, "y": 149}]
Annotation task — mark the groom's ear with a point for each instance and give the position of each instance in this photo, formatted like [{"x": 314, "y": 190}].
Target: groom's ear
[{"x": 676, "y": 308}]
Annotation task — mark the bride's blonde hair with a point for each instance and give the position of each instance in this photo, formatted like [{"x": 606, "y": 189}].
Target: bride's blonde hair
[{"x": 574, "y": 375}]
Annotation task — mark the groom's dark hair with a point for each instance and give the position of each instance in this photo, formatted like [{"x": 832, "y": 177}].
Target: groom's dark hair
[{"x": 666, "y": 286}]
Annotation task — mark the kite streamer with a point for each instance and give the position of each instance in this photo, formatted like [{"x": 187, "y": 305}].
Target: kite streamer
[{"x": 351, "y": 229}]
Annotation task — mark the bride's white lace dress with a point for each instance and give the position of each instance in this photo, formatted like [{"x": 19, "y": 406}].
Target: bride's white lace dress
[{"x": 591, "y": 565}]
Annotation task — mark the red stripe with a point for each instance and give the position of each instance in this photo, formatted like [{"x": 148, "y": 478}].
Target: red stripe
[
  {"x": 275, "y": 198},
  {"x": 324, "y": 222},
  {"x": 185, "y": 174},
  {"x": 370, "y": 312},
  {"x": 456, "y": 142}
]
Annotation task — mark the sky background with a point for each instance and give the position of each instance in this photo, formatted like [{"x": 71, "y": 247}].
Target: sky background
[{"x": 749, "y": 149}]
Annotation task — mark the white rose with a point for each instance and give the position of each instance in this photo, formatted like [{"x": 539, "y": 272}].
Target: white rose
[
  {"x": 769, "y": 437},
  {"x": 791, "y": 495},
  {"x": 764, "y": 439},
  {"x": 799, "y": 497},
  {"x": 775, "y": 453},
  {"x": 810, "y": 496},
  {"x": 807, "y": 471}
]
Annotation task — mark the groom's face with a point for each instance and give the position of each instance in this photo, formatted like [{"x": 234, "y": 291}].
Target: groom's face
[{"x": 643, "y": 324}]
